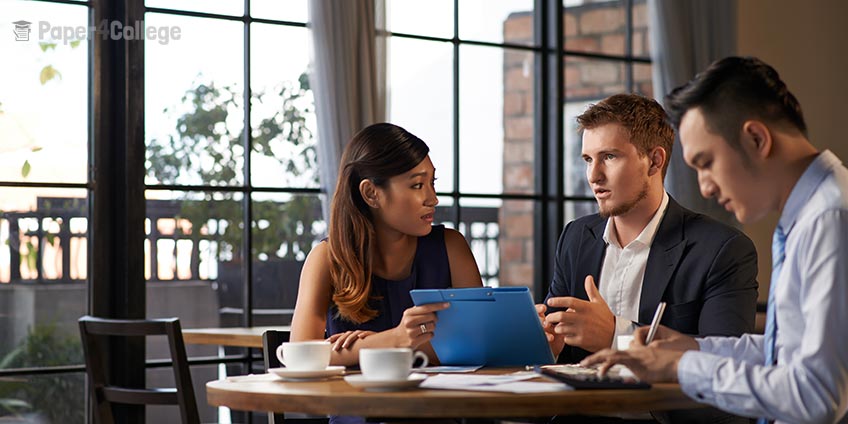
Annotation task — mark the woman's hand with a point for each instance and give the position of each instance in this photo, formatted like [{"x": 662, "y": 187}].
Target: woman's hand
[
  {"x": 417, "y": 325},
  {"x": 347, "y": 339},
  {"x": 555, "y": 341}
]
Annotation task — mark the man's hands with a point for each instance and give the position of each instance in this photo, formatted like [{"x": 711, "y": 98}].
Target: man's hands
[
  {"x": 556, "y": 341},
  {"x": 656, "y": 362},
  {"x": 589, "y": 325},
  {"x": 665, "y": 338},
  {"x": 647, "y": 363}
]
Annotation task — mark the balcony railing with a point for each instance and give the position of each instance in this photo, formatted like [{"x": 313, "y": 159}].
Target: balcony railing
[{"x": 49, "y": 244}]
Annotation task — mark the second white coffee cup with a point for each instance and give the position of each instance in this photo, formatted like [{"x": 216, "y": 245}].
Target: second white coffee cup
[
  {"x": 305, "y": 356},
  {"x": 389, "y": 364}
]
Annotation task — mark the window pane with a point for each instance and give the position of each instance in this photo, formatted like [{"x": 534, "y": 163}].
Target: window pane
[
  {"x": 432, "y": 17},
  {"x": 575, "y": 168},
  {"x": 496, "y": 120},
  {"x": 595, "y": 27},
  {"x": 508, "y": 21},
  {"x": 43, "y": 267},
  {"x": 421, "y": 98},
  {"x": 516, "y": 244},
  {"x": 54, "y": 398},
  {"x": 282, "y": 109},
  {"x": 446, "y": 203},
  {"x": 222, "y": 7},
  {"x": 642, "y": 81},
  {"x": 578, "y": 208},
  {"x": 193, "y": 260},
  {"x": 44, "y": 94},
  {"x": 43, "y": 236},
  {"x": 591, "y": 79},
  {"x": 641, "y": 29},
  {"x": 286, "y": 227},
  {"x": 481, "y": 227},
  {"x": 281, "y": 10},
  {"x": 194, "y": 112}
]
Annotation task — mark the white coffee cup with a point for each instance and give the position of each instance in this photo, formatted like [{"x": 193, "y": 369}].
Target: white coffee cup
[
  {"x": 389, "y": 364},
  {"x": 305, "y": 356},
  {"x": 623, "y": 342}
]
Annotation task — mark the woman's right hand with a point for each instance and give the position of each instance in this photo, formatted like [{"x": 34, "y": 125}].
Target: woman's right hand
[
  {"x": 417, "y": 325},
  {"x": 555, "y": 341},
  {"x": 347, "y": 339}
]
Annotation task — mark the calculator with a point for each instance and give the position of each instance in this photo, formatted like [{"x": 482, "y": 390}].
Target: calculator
[{"x": 587, "y": 378}]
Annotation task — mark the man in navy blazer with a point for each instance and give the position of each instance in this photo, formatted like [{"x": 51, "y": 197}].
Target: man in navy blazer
[
  {"x": 612, "y": 269},
  {"x": 704, "y": 270}
]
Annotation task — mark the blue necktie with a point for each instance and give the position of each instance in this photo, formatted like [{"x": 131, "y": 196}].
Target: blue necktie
[{"x": 778, "y": 245}]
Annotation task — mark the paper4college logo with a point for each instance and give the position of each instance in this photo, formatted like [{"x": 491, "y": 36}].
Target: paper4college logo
[{"x": 22, "y": 30}]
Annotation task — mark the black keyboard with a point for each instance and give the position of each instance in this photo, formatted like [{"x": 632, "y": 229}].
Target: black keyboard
[{"x": 588, "y": 378}]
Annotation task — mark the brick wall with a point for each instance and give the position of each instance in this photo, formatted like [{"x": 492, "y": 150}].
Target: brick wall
[{"x": 595, "y": 28}]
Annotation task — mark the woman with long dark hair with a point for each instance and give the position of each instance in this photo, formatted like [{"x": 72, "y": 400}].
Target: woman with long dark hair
[{"x": 382, "y": 244}]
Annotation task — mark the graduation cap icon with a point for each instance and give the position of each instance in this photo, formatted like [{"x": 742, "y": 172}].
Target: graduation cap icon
[{"x": 22, "y": 30}]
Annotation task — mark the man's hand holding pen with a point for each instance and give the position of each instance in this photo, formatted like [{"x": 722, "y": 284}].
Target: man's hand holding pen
[
  {"x": 653, "y": 363},
  {"x": 666, "y": 338}
]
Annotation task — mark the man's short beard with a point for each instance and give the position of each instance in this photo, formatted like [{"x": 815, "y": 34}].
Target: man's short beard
[{"x": 626, "y": 207}]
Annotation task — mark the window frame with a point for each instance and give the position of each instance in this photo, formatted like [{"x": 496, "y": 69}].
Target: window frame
[{"x": 116, "y": 151}]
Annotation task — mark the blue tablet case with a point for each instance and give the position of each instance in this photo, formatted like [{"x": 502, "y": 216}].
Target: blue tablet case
[{"x": 487, "y": 326}]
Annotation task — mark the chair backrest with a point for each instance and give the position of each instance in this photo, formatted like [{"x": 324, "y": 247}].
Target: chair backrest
[
  {"x": 94, "y": 333},
  {"x": 270, "y": 340}
]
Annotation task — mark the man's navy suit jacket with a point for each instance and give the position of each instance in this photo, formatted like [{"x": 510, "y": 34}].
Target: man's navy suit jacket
[{"x": 704, "y": 270}]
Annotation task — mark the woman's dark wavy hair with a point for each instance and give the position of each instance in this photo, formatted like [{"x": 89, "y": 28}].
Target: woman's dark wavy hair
[
  {"x": 376, "y": 153},
  {"x": 733, "y": 90}
]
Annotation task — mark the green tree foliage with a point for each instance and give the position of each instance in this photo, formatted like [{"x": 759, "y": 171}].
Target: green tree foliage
[
  {"x": 207, "y": 148},
  {"x": 56, "y": 397}
]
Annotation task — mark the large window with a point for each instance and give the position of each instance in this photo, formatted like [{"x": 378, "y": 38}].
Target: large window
[
  {"x": 229, "y": 184},
  {"x": 607, "y": 51},
  {"x": 216, "y": 156},
  {"x": 473, "y": 79},
  {"x": 219, "y": 156},
  {"x": 43, "y": 209}
]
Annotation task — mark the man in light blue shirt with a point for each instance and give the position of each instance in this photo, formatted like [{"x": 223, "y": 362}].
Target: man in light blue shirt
[{"x": 744, "y": 133}]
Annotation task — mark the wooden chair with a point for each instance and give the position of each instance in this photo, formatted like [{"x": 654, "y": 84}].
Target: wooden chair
[
  {"x": 95, "y": 331},
  {"x": 270, "y": 340}
]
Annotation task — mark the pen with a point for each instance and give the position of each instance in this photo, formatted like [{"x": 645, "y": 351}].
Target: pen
[{"x": 655, "y": 323}]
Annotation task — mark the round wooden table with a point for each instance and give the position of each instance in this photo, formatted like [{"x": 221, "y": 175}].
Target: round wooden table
[{"x": 336, "y": 397}]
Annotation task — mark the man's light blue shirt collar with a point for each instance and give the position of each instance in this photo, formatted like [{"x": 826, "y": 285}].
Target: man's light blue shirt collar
[{"x": 820, "y": 168}]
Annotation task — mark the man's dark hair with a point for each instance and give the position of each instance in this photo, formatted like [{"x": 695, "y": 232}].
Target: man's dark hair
[{"x": 733, "y": 90}]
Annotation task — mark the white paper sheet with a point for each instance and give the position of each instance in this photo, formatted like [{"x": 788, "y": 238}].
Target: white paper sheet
[
  {"x": 448, "y": 369},
  {"x": 512, "y": 383}
]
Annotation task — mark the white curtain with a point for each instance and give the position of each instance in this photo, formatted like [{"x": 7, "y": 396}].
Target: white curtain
[
  {"x": 686, "y": 36},
  {"x": 348, "y": 77}
]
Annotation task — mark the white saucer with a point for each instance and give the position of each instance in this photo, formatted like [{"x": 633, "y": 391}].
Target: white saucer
[
  {"x": 290, "y": 374},
  {"x": 359, "y": 381}
]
